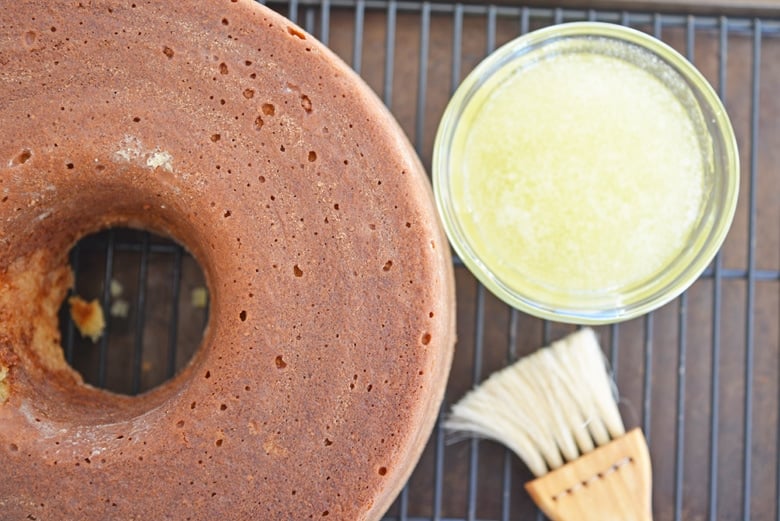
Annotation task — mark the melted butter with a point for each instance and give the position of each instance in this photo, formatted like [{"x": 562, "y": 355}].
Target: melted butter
[{"x": 582, "y": 173}]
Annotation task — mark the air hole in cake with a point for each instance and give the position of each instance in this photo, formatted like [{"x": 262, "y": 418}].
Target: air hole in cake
[
  {"x": 249, "y": 93},
  {"x": 223, "y": 68},
  {"x": 135, "y": 286},
  {"x": 268, "y": 109},
  {"x": 167, "y": 51},
  {"x": 295, "y": 32},
  {"x": 426, "y": 339},
  {"x": 21, "y": 158},
  {"x": 305, "y": 103}
]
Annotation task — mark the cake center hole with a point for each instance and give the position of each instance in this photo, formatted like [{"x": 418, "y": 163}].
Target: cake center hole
[{"x": 137, "y": 311}]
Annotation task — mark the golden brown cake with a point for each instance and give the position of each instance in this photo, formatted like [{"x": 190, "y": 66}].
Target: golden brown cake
[
  {"x": 225, "y": 126},
  {"x": 88, "y": 317}
]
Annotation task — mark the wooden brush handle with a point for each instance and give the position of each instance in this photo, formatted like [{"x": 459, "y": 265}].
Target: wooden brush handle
[{"x": 612, "y": 483}]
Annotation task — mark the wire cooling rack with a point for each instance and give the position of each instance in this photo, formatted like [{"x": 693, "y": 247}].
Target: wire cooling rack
[{"x": 700, "y": 375}]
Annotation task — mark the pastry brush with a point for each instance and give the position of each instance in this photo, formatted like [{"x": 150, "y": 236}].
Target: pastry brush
[{"x": 556, "y": 410}]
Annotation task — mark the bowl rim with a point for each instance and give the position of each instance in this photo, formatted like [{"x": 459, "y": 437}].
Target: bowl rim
[{"x": 724, "y": 145}]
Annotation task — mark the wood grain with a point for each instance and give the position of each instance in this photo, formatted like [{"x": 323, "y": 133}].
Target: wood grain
[
  {"x": 708, "y": 7},
  {"x": 612, "y": 483}
]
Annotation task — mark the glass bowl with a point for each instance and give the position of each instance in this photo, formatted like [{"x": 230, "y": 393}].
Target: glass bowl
[{"x": 586, "y": 173}]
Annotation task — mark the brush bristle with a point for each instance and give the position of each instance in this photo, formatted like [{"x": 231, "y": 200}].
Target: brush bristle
[{"x": 549, "y": 407}]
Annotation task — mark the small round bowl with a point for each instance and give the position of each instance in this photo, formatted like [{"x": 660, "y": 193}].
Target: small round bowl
[{"x": 554, "y": 298}]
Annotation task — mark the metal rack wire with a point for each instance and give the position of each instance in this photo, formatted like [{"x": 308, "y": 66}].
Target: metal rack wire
[{"x": 699, "y": 376}]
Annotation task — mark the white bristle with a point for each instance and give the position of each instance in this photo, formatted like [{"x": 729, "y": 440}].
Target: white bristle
[{"x": 549, "y": 407}]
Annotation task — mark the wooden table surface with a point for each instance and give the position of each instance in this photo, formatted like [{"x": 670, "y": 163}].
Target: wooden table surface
[{"x": 727, "y": 7}]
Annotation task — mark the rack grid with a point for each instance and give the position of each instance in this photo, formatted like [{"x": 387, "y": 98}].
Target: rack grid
[{"x": 700, "y": 375}]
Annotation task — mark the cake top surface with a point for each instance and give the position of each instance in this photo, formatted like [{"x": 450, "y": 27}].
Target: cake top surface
[{"x": 227, "y": 127}]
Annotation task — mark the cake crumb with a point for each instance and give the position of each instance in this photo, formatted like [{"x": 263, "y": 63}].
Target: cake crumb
[
  {"x": 119, "y": 308},
  {"x": 199, "y": 297},
  {"x": 4, "y": 388},
  {"x": 88, "y": 317},
  {"x": 116, "y": 288}
]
